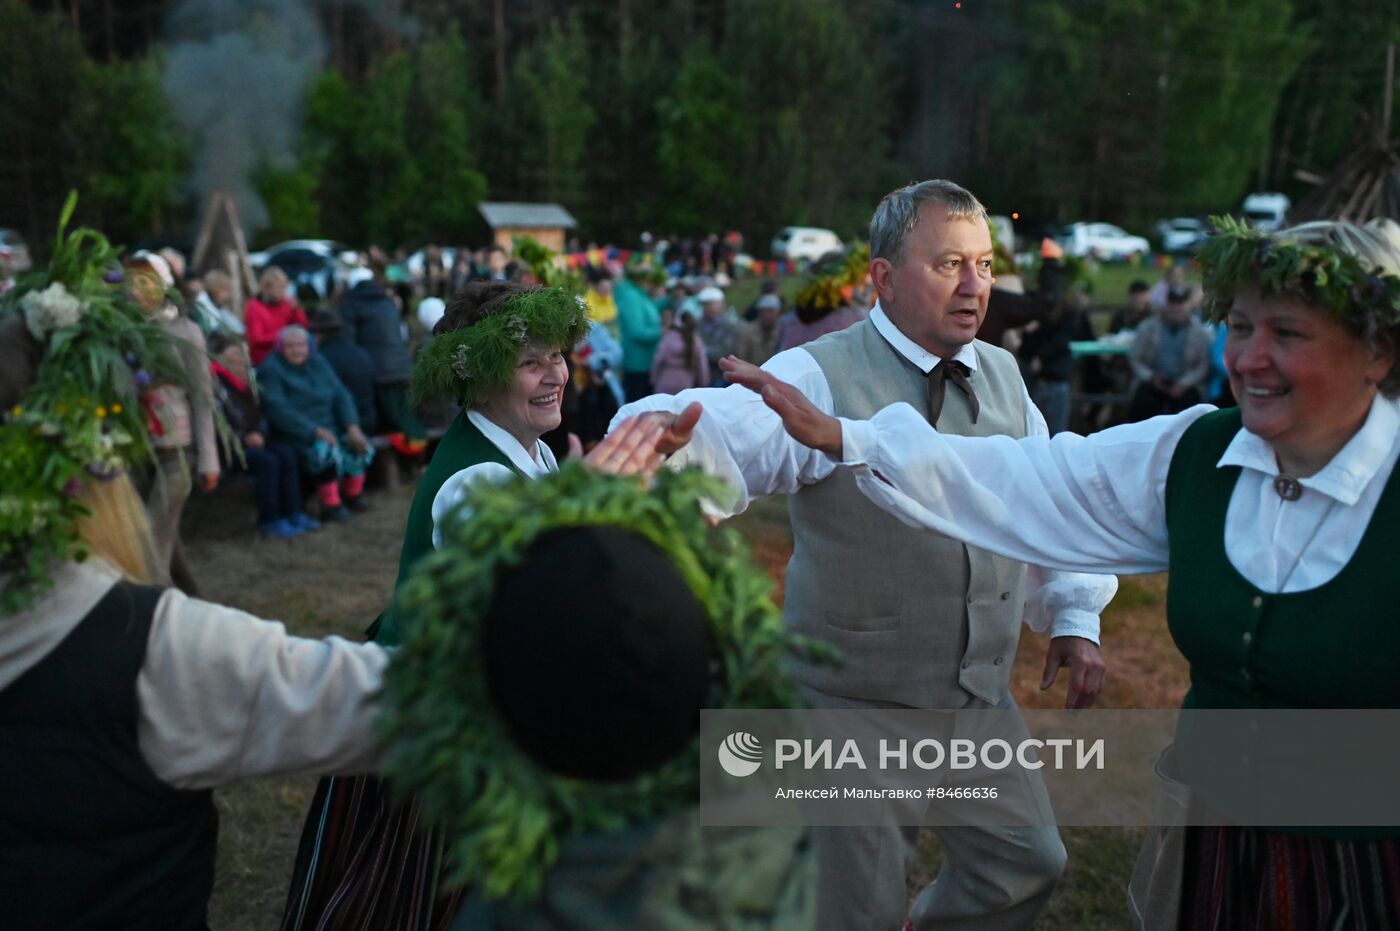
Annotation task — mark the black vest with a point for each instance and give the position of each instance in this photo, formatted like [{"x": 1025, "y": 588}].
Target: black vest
[{"x": 89, "y": 837}]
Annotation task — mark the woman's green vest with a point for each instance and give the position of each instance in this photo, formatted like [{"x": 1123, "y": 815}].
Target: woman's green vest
[
  {"x": 1333, "y": 646},
  {"x": 463, "y": 445}
]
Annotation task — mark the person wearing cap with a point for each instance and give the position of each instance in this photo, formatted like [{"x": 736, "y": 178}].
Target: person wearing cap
[
  {"x": 718, "y": 328},
  {"x": 1278, "y": 522},
  {"x": 1171, "y": 359},
  {"x": 183, "y": 414},
  {"x": 372, "y": 321},
  {"x": 351, "y": 363},
  {"x": 499, "y": 352},
  {"x": 922, "y": 620},
  {"x": 758, "y": 338}
]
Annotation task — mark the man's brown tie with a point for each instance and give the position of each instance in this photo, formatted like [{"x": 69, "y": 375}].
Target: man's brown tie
[{"x": 942, "y": 373}]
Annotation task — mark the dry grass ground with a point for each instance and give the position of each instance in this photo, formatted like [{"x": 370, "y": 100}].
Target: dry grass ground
[{"x": 336, "y": 580}]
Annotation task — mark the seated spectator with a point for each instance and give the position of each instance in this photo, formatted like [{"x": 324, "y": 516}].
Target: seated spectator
[
  {"x": 1138, "y": 308},
  {"x": 268, "y": 312},
  {"x": 1171, "y": 360},
  {"x": 273, "y": 466},
  {"x": 758, "y": 338},
  {"x": 310, "y": 411},
  {"x": 352, "y": 365},
  {"x": 719, "y": 329},
  {"x": 680, "y": 360},
  {"x": 213, "y": 306},
  {"x": 374, "y": 322}
]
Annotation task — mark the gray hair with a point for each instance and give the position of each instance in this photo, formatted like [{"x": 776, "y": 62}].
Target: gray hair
[
  {"x": 898, "y": 214},
  {"x": 1377, "y": 244}
]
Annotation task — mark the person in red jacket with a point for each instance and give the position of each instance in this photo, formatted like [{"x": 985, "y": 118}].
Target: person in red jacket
[{"x": 266, "y": 314}]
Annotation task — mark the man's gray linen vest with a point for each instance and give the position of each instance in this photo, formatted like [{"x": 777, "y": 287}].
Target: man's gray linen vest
[{"x": 923, "y": 620}]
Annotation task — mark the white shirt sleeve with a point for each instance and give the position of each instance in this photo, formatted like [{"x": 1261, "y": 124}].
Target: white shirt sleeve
[
  {"x": 224, "y": 696},
  {"x": 454, "y": 491},
  {"x": 1068, "y": 604},
  {"x": 740, "y": 441},
  {"x": 1072, "y": 503}
]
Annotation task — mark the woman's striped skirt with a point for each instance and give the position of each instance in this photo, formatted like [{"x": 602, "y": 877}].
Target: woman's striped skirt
[
  {"x": 1251, "y": 879},
  {"x": 365, "y": 863}
]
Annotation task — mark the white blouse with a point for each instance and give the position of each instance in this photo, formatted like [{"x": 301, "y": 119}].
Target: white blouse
[
  {"x": 742, "y": 442},
  {"x": 531, "y": 463},
  {"x": 1097, "y": 503}
]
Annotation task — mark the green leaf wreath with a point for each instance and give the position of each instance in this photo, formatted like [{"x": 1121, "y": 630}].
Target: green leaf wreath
[
  {"x": 1238, "y": 256},
  {"x": 468, "y": 364},
  {"x": 85, "y": 417},
  {"x": 506, "y": 817}
]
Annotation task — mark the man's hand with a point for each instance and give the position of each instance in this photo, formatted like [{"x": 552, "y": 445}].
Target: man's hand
[
  {"x": 676, "y": 428},
  {"x": 802, "y": 419},
  {"x": 253, "y": 440},
  {"x": 325, "y": 436},
  {"x": 208, "y": 481},
  {"x": 631, "y": 449},
  {"x": 1085, "y": 669}
]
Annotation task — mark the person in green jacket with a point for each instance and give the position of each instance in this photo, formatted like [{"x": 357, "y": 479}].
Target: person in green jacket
[
  {"x": 639, "y": 328},
  {"x": 1278, "y": 520}
]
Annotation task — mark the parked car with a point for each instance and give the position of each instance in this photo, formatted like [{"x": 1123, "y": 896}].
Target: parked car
[
  {"x": 321, "y": 263},
  {"x": 14, "y": 253},
  {"x": 1103, "y": 241},
  {"x": 1266, "y": 211},
  {"x": 805, "y": 242},
  {"x": 1182, "y": 235}
]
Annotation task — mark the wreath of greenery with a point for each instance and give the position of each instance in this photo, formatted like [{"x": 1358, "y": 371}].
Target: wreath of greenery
[
  {"x": 1237, "y": 256},
  {"x": 504, "y": 814},
  {"x": 832, "y": 283},
  {"x": 468, "y": 364},
  {"x": 86, "y": 416}
]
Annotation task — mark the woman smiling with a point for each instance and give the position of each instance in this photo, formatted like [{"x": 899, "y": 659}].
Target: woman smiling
[
  {"x": 498, "y": 351},
  {"x": 1279, "y": 522}
]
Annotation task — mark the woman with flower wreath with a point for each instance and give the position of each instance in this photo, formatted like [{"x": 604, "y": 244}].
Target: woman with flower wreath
[
  {"x": 122, "y": 704},
  {"x": 1278, "y": 521},
  {"x": 499, "y": 351}
]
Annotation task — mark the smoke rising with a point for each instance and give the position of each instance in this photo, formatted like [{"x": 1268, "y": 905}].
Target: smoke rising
[{"x": 237, "y": 75}]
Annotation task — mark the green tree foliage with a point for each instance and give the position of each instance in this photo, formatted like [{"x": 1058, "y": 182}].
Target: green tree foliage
[
  {"x": 817, "y": 92},
  {"x": 704, "y": 130},
  {"x": 391, "y": 154},
  {"x": 544, "y": 120},
  {"x": 134, "y": 154},
  {"x": 1337, "y": 93},
  {"x": 1123, "y": 108},
  {"x": 71, "y": 122}
]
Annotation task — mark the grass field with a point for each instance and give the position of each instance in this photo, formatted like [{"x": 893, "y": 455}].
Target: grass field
[{"x": 336, "y": 580}]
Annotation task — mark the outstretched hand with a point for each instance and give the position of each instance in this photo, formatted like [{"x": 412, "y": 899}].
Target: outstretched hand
[
  {"x": 803, "y": 420},
  {"x": 631, "y": 449},
  {"x": 676, "y": 428},
  {"x": 1085, "y": 666}
]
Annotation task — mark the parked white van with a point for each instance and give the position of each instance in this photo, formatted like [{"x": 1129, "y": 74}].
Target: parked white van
[
  {"x": 1266, "y": 211},
  {"x": 805, "y": 242}
]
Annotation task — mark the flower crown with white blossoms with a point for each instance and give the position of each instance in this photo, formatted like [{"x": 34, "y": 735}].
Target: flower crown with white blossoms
[
  {"x": 470, "y": 363},
  {"x": 85, "y": 418}
]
